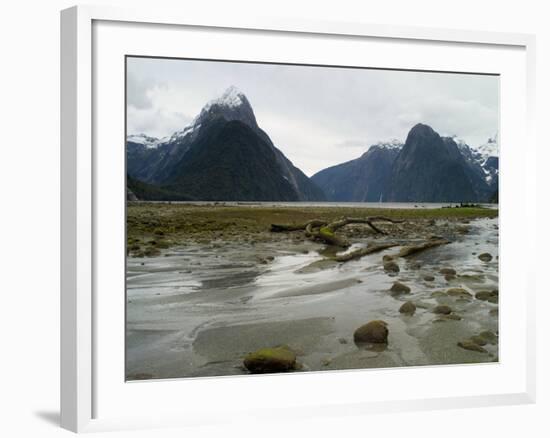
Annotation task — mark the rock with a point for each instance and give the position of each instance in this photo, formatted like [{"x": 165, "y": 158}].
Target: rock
[
  {"x": 468, "y": 344},
  {"x": 400, "y": 288},
  {"x": 486, "y": 295},
  {"x": 485, "y": 257},
  {"x": 449, "y": 277},
  {"x": 438, "y": 294},
  {"x": 447, "y": 271},
  {"x": 374, "y": 332},
  {"x": 442, "y": 310},
  {"x": 343, "y": 341},
  {"x": 429, "y": 278},
  {"x": 478, "y": 340},
  {"x": 493, "y": 312},
  {"x": 270, "y": 360},
  {"x": 391, "y": 266},
  {"x": 489, "y": 336},
  {"x": 388, "y": 258},
  {"x": 459, "y": 292},
  {"x": 408, "y": 308}
]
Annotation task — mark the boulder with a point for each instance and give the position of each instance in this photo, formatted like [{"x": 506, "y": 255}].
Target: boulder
[
  {"x": 486, "y": 295},
  {"x": 391, "y": 266},
  {"x": 447, "y": 271},
  {"x": 485, "y": 257},
  {"x": 438, "y": 294},
  {"x": 408, "y": 308},
  {"x": 478, "y": 340},
  {"x": 270, "y": 360},
  {"x": 400, "y": 288},
  {"x": 459, "y": 292},
  {"x": 429, "y": 278},
  {"x": 373, "y": 332},
  {"x": 442, "y": 310}
]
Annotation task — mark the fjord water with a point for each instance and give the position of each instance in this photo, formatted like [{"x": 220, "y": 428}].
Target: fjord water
[{"x": 197, "y": 310}]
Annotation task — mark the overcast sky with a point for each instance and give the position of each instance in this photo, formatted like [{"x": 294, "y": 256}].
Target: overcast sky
[{"x": 317, "y": 116}]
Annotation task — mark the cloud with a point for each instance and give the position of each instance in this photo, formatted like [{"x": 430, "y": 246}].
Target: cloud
[
  {"x": 317, "y": 116},
  {"x": 351, "y": 144}
]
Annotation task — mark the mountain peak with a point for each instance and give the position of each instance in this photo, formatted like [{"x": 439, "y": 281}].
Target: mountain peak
[
  {"x": 231, "y": 105},
  {"x": 421, "y": 129},
  {"x": 232, "y": 97}
]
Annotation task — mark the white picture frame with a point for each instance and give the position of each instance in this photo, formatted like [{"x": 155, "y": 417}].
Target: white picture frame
[{"x": 81, "y": 366}]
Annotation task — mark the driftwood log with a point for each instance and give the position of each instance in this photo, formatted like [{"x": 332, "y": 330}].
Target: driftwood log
[{"x": 317, "y": 229}]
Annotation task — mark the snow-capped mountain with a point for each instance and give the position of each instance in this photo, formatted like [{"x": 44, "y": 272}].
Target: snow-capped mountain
[
  {"x": 393, "y": 144},
  {"x": 426, "y": 168},
  {"x": 490, "y": 148},
  {"x": 221, "y": 155},
  {"x": 485, "y": 156},
  {"x": 144, "y": 140}
]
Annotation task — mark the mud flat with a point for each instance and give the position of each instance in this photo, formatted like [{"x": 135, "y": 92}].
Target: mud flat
[{"x": 209, "y": 284}]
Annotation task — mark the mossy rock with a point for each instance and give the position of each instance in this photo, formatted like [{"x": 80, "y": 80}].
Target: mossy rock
[
  {"x": 442, "y": 310},
  {"x": 486, "y": 295},
  {"x": 485, "y": 257},
  {"x": 459, "y": 292},
  {"x": 270, "y": 360},
  {"x": 391, "y": 266},
  {"x": 447, "y": 271},
  {"x": 470, "y": 345},
  {"x": 373, "y": 332},
  {"x": 429, "y": 278},
  {"x": 408, "y": 308},
  {"x": 478, "y": 340},
  {"x": 400, "y": 288},
  {"x": 438, "y": 294}
]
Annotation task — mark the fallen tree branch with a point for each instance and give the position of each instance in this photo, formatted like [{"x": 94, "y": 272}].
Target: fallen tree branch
[
  {"x": 361, "y": 252},
  {"x": 409, "y": 250},
  {"x": 280, "y": 228},
  {"x": 324, "y": 231}
]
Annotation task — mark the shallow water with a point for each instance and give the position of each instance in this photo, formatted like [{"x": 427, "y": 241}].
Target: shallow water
[{"x": 197, "y": 310}]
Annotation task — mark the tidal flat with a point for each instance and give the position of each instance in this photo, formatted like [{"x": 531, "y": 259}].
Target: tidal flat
[{"x": 208, "y": 285}]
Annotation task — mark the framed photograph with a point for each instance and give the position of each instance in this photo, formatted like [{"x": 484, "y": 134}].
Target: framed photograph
[{"x": 287, "y": 211}]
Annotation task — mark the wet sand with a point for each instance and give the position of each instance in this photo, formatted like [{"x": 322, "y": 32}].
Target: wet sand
[{"x": 200, "y": 304}]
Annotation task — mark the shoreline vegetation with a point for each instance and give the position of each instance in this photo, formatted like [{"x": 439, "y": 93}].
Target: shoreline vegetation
[{"x": 155, "y": 226}]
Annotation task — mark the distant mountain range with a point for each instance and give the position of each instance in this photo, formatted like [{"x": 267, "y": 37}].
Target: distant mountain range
[
  {"x": 223, "y": 155},
  {"x": 426, "y": 168}
]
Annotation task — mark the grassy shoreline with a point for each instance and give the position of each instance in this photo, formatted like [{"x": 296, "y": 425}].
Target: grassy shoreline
[{"x": 155, "y": 226}]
